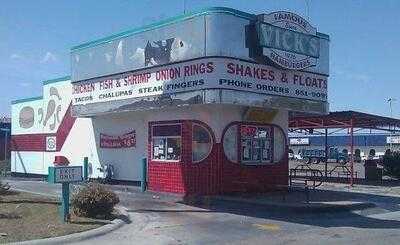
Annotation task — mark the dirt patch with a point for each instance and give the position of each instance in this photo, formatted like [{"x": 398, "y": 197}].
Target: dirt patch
[
  {"x": 25, "y": 216},
  {"x": 5, "y": 166}
]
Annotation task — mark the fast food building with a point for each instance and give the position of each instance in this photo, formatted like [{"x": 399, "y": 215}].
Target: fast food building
[{"x": 204, "y": 97}]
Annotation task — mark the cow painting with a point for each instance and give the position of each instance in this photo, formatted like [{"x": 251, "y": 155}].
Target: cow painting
[{"x": 158, "y": 54}]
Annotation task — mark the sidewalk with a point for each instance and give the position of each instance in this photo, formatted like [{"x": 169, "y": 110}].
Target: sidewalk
[{"x": 329, "y": 197}]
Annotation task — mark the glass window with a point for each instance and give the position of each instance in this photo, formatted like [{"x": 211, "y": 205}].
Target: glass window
[
  {"x": 201, "y": 144},
  {"x": 231, "y": 144},
  {"x": 167, "y": 130},
  {"x": 166, "y": 143},
  {"x": 279, "y": 144},
  {"x": 254, "y": 144}
]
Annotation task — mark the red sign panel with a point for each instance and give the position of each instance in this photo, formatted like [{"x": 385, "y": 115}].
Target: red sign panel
[
  {"x": 249, "y": 131},
  {"x": 127, "y": 140}
]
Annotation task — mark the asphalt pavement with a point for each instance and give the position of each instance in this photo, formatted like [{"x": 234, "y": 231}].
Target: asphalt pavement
[{"x": 156, "y": 219}]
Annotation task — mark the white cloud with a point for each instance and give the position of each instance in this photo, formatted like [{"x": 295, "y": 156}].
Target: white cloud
[
  {"x": 16, "y": 56},
  {"x": 48, "y": 57},
  {"x": 25, "y": 84}
]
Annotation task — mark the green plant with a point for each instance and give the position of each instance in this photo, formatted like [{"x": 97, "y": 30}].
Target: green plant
[
  {"x": 4, "y": 188},
  {"x": 94, "y": 200},
  {"x": 391, "y": 163}
]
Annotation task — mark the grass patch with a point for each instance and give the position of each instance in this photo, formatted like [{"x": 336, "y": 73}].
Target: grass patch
[{"x": 25, "y": 216}]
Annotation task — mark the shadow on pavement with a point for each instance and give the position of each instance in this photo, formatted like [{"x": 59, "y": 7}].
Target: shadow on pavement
[{"x": 325, "y": 219}]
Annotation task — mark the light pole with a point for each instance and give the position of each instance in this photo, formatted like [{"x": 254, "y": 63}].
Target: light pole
[
  {"x": 5, "y": 130},
  {"x": 391, "y": 100}
]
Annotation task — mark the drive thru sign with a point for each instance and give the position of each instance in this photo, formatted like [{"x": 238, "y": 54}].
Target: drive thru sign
[{"x": 65, "y": 175}]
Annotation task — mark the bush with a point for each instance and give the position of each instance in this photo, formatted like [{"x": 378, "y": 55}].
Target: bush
[
  {"x": 4, "y": 188},
  {"x": 94, "y": 200},
  {"x": 391, "y": 163}
]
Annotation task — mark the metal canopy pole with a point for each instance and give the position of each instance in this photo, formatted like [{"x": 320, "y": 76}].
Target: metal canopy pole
[
  {"x": 326, "y": 154},
  {"x": 351, "y": 152},
  {"x": 5, "y": 130}
]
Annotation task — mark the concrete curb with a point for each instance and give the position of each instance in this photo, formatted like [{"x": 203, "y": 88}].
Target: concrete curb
[
  {"x": 77, "y": 237},
  {"x": 321, "y": 207}
]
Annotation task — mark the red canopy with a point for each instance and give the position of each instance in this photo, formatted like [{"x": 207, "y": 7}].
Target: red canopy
[{"x": 343, "y": 119}]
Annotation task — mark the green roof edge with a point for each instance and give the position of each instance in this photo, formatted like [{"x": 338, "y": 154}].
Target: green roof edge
[
  {"x": 323, "y": 36},
  {"x": 168, "y": 21},
  {"x": 26, "y": 100},
  {"x": 55, "y": 80}
]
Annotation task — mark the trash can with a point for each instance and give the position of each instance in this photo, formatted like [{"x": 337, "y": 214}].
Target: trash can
[{"x": 372, "y": 172}]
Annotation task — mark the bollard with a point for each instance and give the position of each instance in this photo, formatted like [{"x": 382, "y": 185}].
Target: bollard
[
  {"x": 144, "y": 175},
  {"x": 85, "y": 168}
]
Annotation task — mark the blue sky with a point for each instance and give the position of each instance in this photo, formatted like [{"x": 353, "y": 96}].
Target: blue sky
[{"x": 36, "y": 36}]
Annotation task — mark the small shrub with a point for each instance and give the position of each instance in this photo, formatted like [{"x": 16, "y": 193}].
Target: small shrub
[
  {"x": 4, "y": 188},
  {"x": 94, "y": 200},
  {"x": 391, "y": 163}
]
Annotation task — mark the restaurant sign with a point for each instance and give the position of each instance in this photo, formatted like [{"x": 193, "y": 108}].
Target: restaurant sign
[
  {"x": 65, "y": 174},
  {"x": 200, "y": 74},
  {"x": 127, "y": 140},
  {"x": 288, "y": 40}
]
